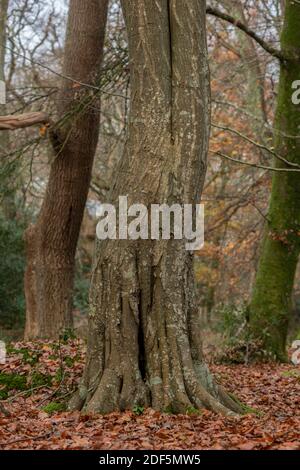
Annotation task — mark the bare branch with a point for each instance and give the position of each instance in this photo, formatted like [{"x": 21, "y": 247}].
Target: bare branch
[
  {"x": 12, "y": 121},
  {"x": 254, "y": 165},
  {"x": 235, "y": 22},
  {"x": 257, "y": 144}
]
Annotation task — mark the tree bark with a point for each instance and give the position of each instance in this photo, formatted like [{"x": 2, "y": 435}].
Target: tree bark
[
  {"x": 144, "y": 325},
  {"x": 3, "y": 20},
  {"x": 270, "y": 306},
  {"x": 51, "y": 242},
  {"x": 18, "y": 121}
]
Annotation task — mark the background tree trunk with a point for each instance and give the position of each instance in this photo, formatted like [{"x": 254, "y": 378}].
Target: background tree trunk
[
  {"x": 144, "y": 346},
  {"x": 271, "y": 299},
  {"x": 51, "y": 242},
  {"x": 8, "y": 198}
]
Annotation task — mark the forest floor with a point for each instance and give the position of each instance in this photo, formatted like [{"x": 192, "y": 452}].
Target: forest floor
[{"x": 39, "y": 377}]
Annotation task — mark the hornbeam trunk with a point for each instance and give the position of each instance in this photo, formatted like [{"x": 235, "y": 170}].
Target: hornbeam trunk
[
  {"x": 51, "y": 242},
  {"x": 271, "y": 301},
  {"x": 144, "y": 344}
]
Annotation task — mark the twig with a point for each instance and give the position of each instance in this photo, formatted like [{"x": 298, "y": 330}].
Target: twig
[
  {"x": 24, "y": 392},
  {"x": 62, "y": 377},
  {"x": 27, "y": 438},
  {"x": 257, "y": 144},
  {"x": 54, "y": 392},
  {"x": 235, "y": 22},
  {"x": 269, "y": 168}
]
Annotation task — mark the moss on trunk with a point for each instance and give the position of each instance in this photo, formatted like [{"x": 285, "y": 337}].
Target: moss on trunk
[{"x": 271, "y": 299}]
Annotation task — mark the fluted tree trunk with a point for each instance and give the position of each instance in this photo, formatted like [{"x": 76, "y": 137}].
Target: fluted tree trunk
[
  {"x": 270, "y": 305},
  {"x": 51, "y": 242},
  {"x": 144, "y": 344}
]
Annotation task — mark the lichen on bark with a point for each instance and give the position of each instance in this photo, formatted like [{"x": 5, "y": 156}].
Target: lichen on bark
[{"x": 144, "y": 345}]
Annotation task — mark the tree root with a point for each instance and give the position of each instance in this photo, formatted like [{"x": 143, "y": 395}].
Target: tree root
[{"x": 144, "y": 346}]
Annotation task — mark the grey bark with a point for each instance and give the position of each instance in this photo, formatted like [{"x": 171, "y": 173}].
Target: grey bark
[{"x": 144, "y": 346}]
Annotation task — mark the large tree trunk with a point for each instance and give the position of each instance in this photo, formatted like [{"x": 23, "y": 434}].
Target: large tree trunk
[
  {"x": 144, "y": 346},
  {"x": 271, "y": 299},
  {"x": 51, "y": 242}
]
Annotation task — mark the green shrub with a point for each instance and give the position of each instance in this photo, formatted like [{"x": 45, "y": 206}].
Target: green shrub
[
  {"x": 81, "y": 287},
  {"x": 54, "y": 407},
  {"x": 237, "y": 344},
  {"x": 12, "y": 267},
  {"x": 191, "y": 411},
  {"x": 138, "y": 410},
  {"x": 29, "y": 356},
  {"x": 11, "y": 382},
  {"x": 38, "y": 379}
]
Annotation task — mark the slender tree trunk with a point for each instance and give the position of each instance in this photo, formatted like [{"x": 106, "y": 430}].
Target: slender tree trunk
[
  {"x": 144, "y": 346},
  {"x": 51, "y": 242},
  {"x": 7, "y": 198},
  {"x": 271, "y": 299},
  {"x": 3, "y": 20}
]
